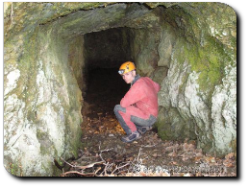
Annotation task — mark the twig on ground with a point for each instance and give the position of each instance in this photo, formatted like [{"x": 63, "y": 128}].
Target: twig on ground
[
  {"x": 99, "y": 168},
  {"x": 149, "y": 146},
  {"x": 79, "y": 173},
  {"x": 101, "y": 151},
  {"x": 105, "y": 169},
  {"x": 138, "y": 156},
  {"x": 117, "y": 168},
  {"x": 83, "y": 167},
  {"x": 68, "y": 163}
]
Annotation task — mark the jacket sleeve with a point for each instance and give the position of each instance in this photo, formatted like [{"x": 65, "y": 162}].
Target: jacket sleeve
[
  {"x": 156, "y": 86},
  {"x": 135, "y": 94}
]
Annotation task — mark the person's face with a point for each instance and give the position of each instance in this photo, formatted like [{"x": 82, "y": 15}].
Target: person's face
[{"x": 129, "y": 77}]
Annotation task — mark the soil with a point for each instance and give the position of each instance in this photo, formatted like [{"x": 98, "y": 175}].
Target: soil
[{"x": 104, "y": 154}]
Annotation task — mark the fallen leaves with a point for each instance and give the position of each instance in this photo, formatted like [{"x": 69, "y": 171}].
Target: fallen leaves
[
  {"x": 230, "y": 160},
  {"x": 178, "y": 158},
  {"x": 149, "y": 174},
  {"x": 102, "y": 125},
  {"x": 209, "y": 159}
]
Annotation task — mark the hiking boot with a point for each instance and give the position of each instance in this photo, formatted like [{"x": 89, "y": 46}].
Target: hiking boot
[
  {"x": 131, "y": 137},
  {"x": 143, "y": 130}
]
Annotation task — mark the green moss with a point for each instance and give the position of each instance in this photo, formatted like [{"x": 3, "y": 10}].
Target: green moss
[
  {"x": 44, "y": 137},
  {"x": 31, "y": 115},
  {"x": 233, "y": 145},
  {"x": 43, "y": 150},
  {"x": 208, "y": 80},
  {"x": 162, "y": 131},
  {"x": 41, "y": 135},
  {"x": 207, "y": 61},
  {"x": 14, "y": 169},
  {"x": 76, "y": 142},
  {"x": 27, "y": 66},
  {"x": 56, "y": 171},
  {"x": 206, "y": 54},
  {"x": 211, "y": 68},
  {"x": 163, "y": 125},
  {"x": 47, "y": 168},
  {"x": 207, "y": 147}
]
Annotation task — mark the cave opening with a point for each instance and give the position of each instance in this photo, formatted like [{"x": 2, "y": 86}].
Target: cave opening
[
  {"x": 105, "y": 88},
  {"x": 104, "y": 52}
]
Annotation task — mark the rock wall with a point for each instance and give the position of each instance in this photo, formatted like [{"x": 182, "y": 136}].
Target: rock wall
[
  {"x": 76, "y": 60},
  {"x": 144, "y": 45},
  {"x": 198, "y": 95},
  {"x": 42, "y": 102}
]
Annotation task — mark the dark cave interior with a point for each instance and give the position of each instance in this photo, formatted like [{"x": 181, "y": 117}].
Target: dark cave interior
[{"x": 104, "y": 52}]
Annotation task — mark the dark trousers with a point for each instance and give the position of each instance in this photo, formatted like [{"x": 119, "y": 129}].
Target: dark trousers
[{"x": 139, "y": 122}]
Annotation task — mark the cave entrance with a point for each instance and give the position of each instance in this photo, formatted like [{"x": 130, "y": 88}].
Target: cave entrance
[
  {"x": 105, "y": 89},
  {"x": 104, "y": 52}
]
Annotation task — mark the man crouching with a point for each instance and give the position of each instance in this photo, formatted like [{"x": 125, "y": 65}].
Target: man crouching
[{"x": 138, "y": 109}]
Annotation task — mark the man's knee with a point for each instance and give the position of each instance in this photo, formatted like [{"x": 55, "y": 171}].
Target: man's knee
[{"x": 118, "y": 108}]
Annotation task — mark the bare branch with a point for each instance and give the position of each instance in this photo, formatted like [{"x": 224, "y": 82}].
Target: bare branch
[
  {"x": 79, "y": 173},
  {"x": 83, "y": 167},
  {"x": 117, "y": 168}
]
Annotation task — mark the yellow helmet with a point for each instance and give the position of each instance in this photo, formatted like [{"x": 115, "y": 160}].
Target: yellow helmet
[{"x": 126, "y": 67}]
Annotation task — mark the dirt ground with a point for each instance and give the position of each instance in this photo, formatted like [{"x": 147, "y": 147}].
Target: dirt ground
[{"x": 104, "y": 154}]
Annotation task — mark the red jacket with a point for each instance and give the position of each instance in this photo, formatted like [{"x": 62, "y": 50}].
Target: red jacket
[{"x": 143, "y": 95}]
